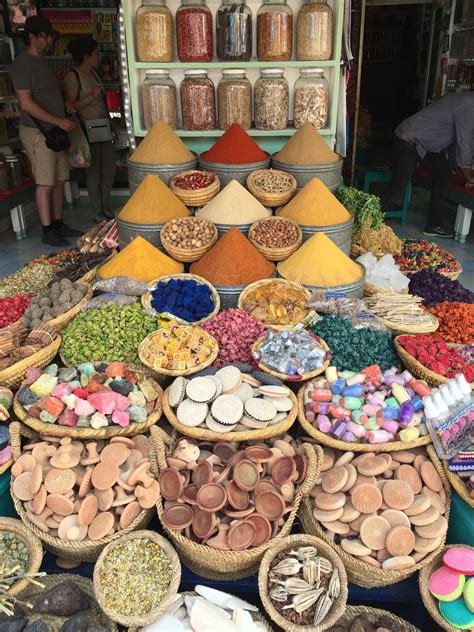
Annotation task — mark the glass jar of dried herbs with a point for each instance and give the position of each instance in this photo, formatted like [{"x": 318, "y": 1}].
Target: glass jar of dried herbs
[
  {"x": 159, "y": 98},
  {"x": 271, "y": 99},
  {"x": 311, "y": 103},
  {"x": 314, "y": 31},
  {"x": 198, "y": 105},
  {"x": 154, "y": 31},
  {"x": 234, "y": 97},
  {"x": 274, "y": 31}
]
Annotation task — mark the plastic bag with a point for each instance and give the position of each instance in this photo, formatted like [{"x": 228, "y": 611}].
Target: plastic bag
[
  {"x": 335, "y": 303},
  {"x": 109, "y": 299},
  {"x": 121, "y": 285},
  {"x": 78, "y": 155},
  {"x": 365, "y": 320}
]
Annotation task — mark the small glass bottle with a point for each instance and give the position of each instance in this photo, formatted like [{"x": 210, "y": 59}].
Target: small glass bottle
[
  {"x": 154, "y": 31},
  {"x": 13, "y": 168},
  {"x": 234, "y": 96},
  {"x": 159, "y": 98},
  {"x": 234, "y": 31},
  {"x": 274, "y": 31},
  {"x": 198, "y": 103},
  {"x": 311, "y": 104},
  {"x": 314, "y": 31},
  {"x": 271, "y": 100},
  {"x": 194, "y": 31}
]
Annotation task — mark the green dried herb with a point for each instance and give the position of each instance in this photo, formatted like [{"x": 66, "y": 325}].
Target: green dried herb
[{"x": 364, "y": 206}]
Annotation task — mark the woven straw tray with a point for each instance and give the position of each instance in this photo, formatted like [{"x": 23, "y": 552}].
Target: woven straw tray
[{"x": 13, "y": 375}]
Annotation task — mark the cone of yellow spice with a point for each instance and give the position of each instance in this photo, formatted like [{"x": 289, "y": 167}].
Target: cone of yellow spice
[
  {"x": 315, "y": 205},
  {"x": 161, "y": 146},
  {"x": 319, "y": 262},
  {"x": 152, "y": 203},
  {"x": 140, "y": 261}
]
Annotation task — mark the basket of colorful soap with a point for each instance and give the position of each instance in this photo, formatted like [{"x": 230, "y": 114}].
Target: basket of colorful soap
[
  {"x": 363, "y": 619},
  {"x": 302, "y": 584},
  {"x": 386, "y": 514},
  {"x": 276, "y": 238},
  {"x": 89, "y": 401},
  {"x": 187, "y": 239},
  {"x": 229, "y": 404},
  {"x": 277, "y": 303},
  {"x": 447, "y": 587},
  {"x": 239, "y": 500},
  {"x": 368, "y": 411},
  {"x": 195, "y": 188},
  {"x": 21, "y": 554},
  {"x": 77, "y": 496},
  {"x": 187, "y": 297},
  {"x": 291, "y": 354}
]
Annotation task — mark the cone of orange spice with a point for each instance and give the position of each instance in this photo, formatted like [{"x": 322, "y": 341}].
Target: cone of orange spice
[{"x": 456, "y": 321}]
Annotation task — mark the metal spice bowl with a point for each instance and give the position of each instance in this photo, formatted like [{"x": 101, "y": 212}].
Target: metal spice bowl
[
  {"x": 138, "y": 170},
  {"x": 240, "y": 172},
  {"x": 340, "y": 234},
  {"x": 330, "y": 174}
]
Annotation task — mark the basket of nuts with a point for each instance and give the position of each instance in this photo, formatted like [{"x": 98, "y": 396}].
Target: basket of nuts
[
  {"x": 187, "y": 239},
  {"x": 276, "y": 238},
  {"x": 195, "y": 188},
  {"x": 271, "y": 187}
]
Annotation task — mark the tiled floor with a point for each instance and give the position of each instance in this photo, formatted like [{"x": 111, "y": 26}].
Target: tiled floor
[{"x": 14, "y": 254}]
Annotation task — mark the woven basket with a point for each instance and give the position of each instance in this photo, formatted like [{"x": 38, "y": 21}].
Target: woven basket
[
  {"x": 325, "y": 439},
  {"x": 451, "y": 275},
  {"x": 89, "y": 277},
  {"x": 360, "y": 572},
  {"x": 398, "y": 329},
  {"x": 87, "y": 550},
  {"x": 370, "y": 290},
  {"x": 229, "y": 565},
  {"x": 276, "y": 254},
  {"x": 290, "y": 284},
  {"x": 77, "y": 432},
  {"x": 61, "y": 322},
  {"x": 14, "y": 375},
  {"x": 183, "y": 254},
  {"x": 458, "y": 485},
  {"x": 292, "y": 378},
  {"x": 34, "y": 548},
  {"x": 374, "y": 614},
  {"x": 146, "y": 298},
  {"x": 205, "y": 434},
  {"x": 31, "y": 593},
  {"x": 429, "y": 601},
  {"x": 417, "y": 369},
  {"x": 357, "y": 251},
  {"x": 289, "y": 542},
  {"x": 271, "y": 199},
  {"x": 198, "y": 197},
  {"x": 150, "y": 617},
  {"x": 6, "y": 466}
]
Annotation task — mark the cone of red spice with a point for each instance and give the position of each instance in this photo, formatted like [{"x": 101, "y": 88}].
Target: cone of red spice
[
  {"x": 234, "y": 147},
  {"x": 233, "y": 261}
]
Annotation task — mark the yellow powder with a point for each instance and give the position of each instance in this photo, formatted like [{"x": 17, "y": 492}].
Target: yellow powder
[
  {"x": 141, "y": 261},
  {"x": 307, "y": 147},
  {"x": 161, "y": 146},
  {"x": 320, "y": 262},
  {"x": 315, "y": 205},
  {"x": 152, "y": 203}
]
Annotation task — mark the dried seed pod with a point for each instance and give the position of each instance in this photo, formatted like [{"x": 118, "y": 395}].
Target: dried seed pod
[
  {"x": 334, "y": 588},
  {"x": 295, "y": 586},
  {"x": 278, "y": 594},
  {"x": 288, "y": 566},
  {"x": 325, "y": 565},
  {"x": 302, "y": 602},
  {"x": 312, "y": 572},
  {"x": 307, "y": 553},
  {"x": 323, "y": 607}
]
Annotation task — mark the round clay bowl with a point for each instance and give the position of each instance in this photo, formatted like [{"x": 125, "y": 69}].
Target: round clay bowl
[
  {"x": 246, "y": 475},
  {"x": 238, "y": 498},
  {"x": 203, "y": 474},
  {"x": 171, "y": 483},
  {"x": 301, "y": 467},
  {"x": 189, "y": 494},
  {"x": 241, "y": 535},
  {"x": 224, "y": 450},
  {"x": 177, "y": 517},
  {"x": 211, "y": 497},
  {"x": 204, "y": 523},
  {"x": 258, "y": 454},
  {"x": 265, "y": 486},
  {"x": 271, "y": 505},
  {"x": 283, "y": 470},
  {"x": 178, "y": 464},
  {"x": 186, "y": 477},
  {"x": 263, "y": 528},
  {"x": 240, "y": 514},
  {"x": 223, "y": 475},
  {"x": 238, "y": 456}
]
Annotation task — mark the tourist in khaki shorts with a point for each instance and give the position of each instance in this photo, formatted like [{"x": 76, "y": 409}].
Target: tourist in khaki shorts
[{"x": 39, "y": 94}]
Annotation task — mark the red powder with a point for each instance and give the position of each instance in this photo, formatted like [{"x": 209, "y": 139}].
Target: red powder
[{"x": 234, "y": 147}]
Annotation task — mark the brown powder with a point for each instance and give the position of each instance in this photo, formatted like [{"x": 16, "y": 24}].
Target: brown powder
[
  {"x": 307, "y": 147},
  {"x": 161, "y": 146}
]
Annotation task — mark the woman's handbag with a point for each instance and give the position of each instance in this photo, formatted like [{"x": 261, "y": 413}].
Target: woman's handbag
[{"x": 96, "y": 130}]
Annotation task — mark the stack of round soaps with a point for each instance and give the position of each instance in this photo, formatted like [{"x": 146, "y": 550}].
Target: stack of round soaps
[{"x": 228, "y": 400}]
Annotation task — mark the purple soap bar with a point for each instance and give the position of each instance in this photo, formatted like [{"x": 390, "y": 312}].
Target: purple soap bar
[
  {"x": 338, "y": 429},
  {"x": 323, "y": 423}
]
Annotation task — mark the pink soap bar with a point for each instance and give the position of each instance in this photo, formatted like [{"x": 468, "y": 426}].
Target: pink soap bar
[
  {"x": 323, "y": 423},
  {"x": 378, "y": 436},
  {"x": 5, "y": 455},
  {"x": 390, "y": 425},
  {"x": 356, "y": 429},
  {"x": 371, "y": 409},
  {"x": 321, "y": 395}
]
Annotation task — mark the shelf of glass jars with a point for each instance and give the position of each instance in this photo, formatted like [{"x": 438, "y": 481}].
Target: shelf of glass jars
[{"x": 149, "y": 65}]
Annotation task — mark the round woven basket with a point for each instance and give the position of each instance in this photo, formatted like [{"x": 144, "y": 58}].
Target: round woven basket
[
  {"x": 61, "y": 322},
  {"x": 149, "y": 617},
  {"x": 294, "y": 378},
  {"x": 325, "y": 439},
  {"x": 147, "y": 298},
  {"x": 271, "y": 199},
  {"x": 197, "y": 197},
  {"x": 78, "y": 432},
  {"x": 451, "y": 275},
  {"x": 370, "y": 290},
  {"x": 14, "y": 375},
  {"x": 399, "y": 329},
  {"x": 205, "y": 434},
  {"x": 35, "y": 550},
  {"x": 326, "y": 551},
  {"x": 417, "y": 369},
  {"x": 458, "y": 485},
  {"x": 374, "y": 614},
  {"x": 87, "y": 550},
  {"x": 360, "y": 572},
  {"x": 32, "y": 593},
  {"x": 183, "y": 254},
  {"x": 290, "y": 284},
  {"x": 6, "y": 466},
  {"x": 229, "y": 565},
  {"x": 276, "y": 254},
  {"x": 357, "y": 251},
  {"x": 429, "y": 601},
  {"x": 89, "y": 277}
]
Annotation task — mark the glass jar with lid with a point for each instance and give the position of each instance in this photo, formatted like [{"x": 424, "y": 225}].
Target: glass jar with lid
[
  {"x": 311, "y": 103},
  {"x": 13, "y": 168},
  {"x": 234, "y": 97},
  {"x": 159, "y": 98},
  {"x": 194, "y": 31},
  {"x": 274, "y": 31},
  {"x": 234, "y": 31},
  {"x": 314, "y": 31},
  {"x": 198, "y": 105},
  {"x": 271, "y": 99},
  {"x": 154, "y": 31}
]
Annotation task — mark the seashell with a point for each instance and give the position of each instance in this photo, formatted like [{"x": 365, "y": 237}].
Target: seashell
[
  {"x": 305, "y": 600},
  {"x": 278, "y": 594},
  {"x": 288, "y": 566},
  {"x": 223, "y": 599},
  {"x": 307, "y": 553},
  {"x": 312, "y": 572},
  {"x": 243, "y": 620},
  {"x": 334, "y": 588},
  {"x": 295, "y": 586},
  {"x": 166, "y": 623},
  {"x": 322, "y": 609},
  {"x": 207, "y": 617}
]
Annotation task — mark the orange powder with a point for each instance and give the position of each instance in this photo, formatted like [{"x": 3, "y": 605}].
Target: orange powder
[
  {"x": 152, "y": 203},
  {"x": 315, "y": 205}
]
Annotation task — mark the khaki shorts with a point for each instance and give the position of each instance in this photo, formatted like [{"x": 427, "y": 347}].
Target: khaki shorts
[{"x": 47, "y": 165}]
